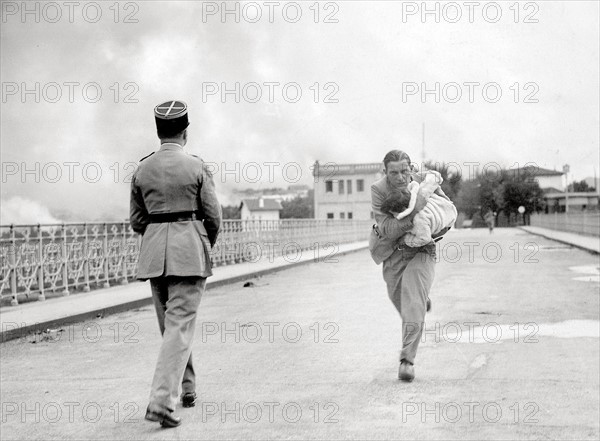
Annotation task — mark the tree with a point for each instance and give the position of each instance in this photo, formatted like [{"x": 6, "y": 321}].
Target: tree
[
  {"x": 467, "y": 201},
  {"x": 522, "y": 192},
  {"x": 452, "y": 178},
  {"x": 299, "y": 207},
  {"x": 231, "y": 212},
  {"x": 581, "y": 186},
  {"x": 500, "y": 191}
]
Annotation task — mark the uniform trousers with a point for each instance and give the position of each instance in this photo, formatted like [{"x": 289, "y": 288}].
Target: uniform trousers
[
  {"x": 408, "y": 274},
  {"x": 176, "y": 300}
]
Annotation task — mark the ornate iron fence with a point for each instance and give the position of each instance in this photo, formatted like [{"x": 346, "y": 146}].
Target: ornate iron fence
[{"x": 36, "y": 259}]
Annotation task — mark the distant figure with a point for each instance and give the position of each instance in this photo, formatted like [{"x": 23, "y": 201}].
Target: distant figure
[
  {"x": 439, "y": 213},
  {"x": 490, "y": 220}
]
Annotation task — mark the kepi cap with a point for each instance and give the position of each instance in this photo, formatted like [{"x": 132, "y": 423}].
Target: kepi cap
[{"x": 171, "y": 117}]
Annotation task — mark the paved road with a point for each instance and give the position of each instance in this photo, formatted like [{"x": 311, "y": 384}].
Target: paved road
[{"x": 512, "y": 353}]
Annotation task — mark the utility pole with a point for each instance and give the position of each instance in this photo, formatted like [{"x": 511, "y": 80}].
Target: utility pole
[
  {"x": 423, "y": 145},
  {"x": 566, "y": 169}
]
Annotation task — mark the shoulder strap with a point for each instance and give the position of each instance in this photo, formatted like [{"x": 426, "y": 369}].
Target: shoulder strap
[{"x": 147, "y": 156}]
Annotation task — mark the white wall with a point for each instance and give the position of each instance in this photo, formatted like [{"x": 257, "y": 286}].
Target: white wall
[
  {"x": 359, "y": 203},
  {"x": 259, "y": 215},
  {"x": 557, "y": 182}
]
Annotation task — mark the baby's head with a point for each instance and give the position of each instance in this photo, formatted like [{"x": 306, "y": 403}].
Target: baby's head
[{"x": 396, "y": 201}]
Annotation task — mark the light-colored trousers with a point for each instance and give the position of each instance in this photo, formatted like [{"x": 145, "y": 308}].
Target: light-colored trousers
[
  {"x": 176, "y": 300},
  {"x": 408, "y": 274}
]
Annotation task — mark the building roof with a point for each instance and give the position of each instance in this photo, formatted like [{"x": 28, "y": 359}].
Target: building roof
[
  {"x": 547, "y": 190},
  {"x": 534, "y": 170},
  {"x": 578, "y": 194},
  {"x": 268, "y": 204},
  {"x": 298, "y": 187},
  {"x": 330, "y": 170}
]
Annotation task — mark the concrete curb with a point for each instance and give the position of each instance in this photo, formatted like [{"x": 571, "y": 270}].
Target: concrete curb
[
  {"x": 563, "y": 241},
  {"x": 27, "y": 329}
]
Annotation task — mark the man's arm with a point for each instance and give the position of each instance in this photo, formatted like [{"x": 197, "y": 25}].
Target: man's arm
[
  {"x": 138, "y": 215},
  {"x": 210, "y": 206},
  {"x": 389, "y": 227}
]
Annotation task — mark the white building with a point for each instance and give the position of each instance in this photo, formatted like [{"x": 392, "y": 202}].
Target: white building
[
  {"x": 556, "y": 202},
  {"x": 260, "y": 209},
  {"x": 554, "y": 185},
  {"x": 343, "y": 191},
  {"x": 547, "y": 179}
]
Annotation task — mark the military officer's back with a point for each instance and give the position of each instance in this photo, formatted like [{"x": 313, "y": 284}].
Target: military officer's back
[
  {"x": 174, "y": 206},
  {"x": 172, "y": 185}
]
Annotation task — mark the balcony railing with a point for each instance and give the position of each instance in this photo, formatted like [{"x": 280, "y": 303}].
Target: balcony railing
[{"x": 62, "y": 258}]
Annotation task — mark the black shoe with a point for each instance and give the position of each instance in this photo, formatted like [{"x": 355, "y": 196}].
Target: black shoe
[
  {"x": 165, "y": 418},
  {"x": 428, "y": 304},
  {"x": 188, "y": 399},
  {"x": 406, "y": 371}
]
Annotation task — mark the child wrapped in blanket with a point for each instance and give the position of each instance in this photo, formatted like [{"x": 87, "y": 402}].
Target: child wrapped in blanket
[{"x": 438, "y": 214}]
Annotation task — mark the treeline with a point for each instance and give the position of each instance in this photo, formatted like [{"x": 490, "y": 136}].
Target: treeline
[
  {"x": 297, "y": 208},
  {"x": 501, "y": 191}
]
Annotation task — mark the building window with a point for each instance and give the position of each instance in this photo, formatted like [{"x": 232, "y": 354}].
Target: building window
[
  {"x": 342, "y": 215},
  {"x": 349, "y": 215},
  {"x": 360, "y": 185},
  {"x": 341, "y": 186},
  {"x": 329, "y": 215},
  {"x": 328, "y": 186},
  {"x": 349, "y": 185}
]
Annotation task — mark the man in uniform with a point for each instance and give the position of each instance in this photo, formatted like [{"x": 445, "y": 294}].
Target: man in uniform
[{"x": 174, "y": 206}]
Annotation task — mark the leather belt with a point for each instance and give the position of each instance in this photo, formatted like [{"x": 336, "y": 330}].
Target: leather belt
[{"x": 180, "y": 216}]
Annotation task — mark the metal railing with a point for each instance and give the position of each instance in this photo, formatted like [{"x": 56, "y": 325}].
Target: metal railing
[
  {"x": 586, "y": 223},
  {"x": 37, "y": 259}
]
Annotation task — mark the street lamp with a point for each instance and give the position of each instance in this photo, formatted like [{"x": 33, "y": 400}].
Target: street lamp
[{"x": 566, "y": 169}]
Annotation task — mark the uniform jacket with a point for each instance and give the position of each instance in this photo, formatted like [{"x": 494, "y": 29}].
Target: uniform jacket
[{"x": 169, "y": 181}]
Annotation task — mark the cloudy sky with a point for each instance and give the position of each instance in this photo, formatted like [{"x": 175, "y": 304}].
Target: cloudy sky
[{"x": 78, "y": 91}]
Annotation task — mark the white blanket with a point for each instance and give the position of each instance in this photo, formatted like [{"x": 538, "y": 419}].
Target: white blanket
[{"x": 438, "y": 214}]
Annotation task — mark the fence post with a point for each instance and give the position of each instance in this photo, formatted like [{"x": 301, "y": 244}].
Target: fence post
[
  {"x": 86, "y": 258},
  {"x": 41, "y": 295},
  {"x": 105, "y": 252},
  {"x": 13, "y": 267},
  {"x": 64, "y": 260},
  {"x": 123, "y": 253}
]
